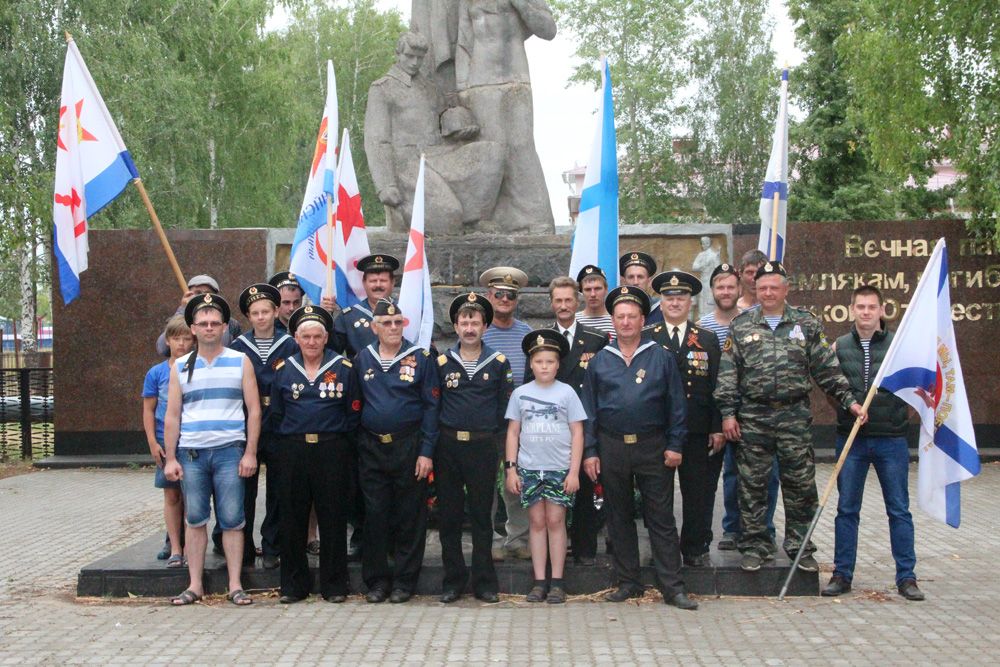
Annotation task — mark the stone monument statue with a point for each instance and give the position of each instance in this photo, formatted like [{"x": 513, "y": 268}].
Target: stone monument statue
[
  {"x": 704, "y": 263},
  {"x": 406, "y": 117},
  {"x": 470, "y": 87}
]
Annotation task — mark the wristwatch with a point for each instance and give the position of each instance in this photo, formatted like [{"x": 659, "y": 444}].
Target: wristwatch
[{"x": 507, "y": 465}]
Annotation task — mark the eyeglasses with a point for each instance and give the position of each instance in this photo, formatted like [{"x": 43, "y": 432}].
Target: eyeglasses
[
  {"x": 508, "y": 294},
  {"x": 208, "y": 325},
  {"x": 391, "y": 324}
]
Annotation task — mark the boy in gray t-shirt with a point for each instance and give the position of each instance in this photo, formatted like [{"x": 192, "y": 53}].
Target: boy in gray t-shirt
[{"x": 544, "y": 450}]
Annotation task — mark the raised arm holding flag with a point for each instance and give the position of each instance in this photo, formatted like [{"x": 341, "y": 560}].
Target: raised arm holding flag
[{"x": 92, "y": 169}]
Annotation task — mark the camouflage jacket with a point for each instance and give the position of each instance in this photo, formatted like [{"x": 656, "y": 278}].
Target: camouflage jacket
[{"x": 770, "y": 369}]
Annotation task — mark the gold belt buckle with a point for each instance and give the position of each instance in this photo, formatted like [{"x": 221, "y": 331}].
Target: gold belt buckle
[
  {"x": 631, "y": 438},
  {"x": 463, "y": 436},
  {"x": 385, "y": 438},
  {"x": 312, "y": 438},
  {"x": 266, "y": 401}
]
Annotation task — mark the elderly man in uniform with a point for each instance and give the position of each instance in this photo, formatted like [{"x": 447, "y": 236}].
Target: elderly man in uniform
[
  {"x": 399, "y": 430},
  {"x": 290, "y": 298},
  {"x": 697, "y": 353},
  {"x": 210, "y": 435},
  {"x": 476, "y": 383},
  {"x": 352, "y": 333},
  {"x": 635, "y": 436},
  {"x": 725, "y": 284},
  {"x": 504, "y": 335},
  {"x": 583, "y": 343},
  {"x": 594, "y": 286},
  {"x": 763, "y": 393},
  {"x": 637, "y": 270}
]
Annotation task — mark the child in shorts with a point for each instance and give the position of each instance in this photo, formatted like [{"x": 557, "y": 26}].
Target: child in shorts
[
  {"x": 544, "y": 450},
  {"x": 154, "y": 408}
]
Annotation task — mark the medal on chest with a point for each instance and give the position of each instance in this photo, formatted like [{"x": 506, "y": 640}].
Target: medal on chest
[
  {"x": 640, "y": 374},
  {"x": 451, "y": 380},
  {"x": 369, "y": 374},
  {"x": 585, "y": 358},
  {"x": 408, "y": 368},
  {"x": 296, "y": 388}
]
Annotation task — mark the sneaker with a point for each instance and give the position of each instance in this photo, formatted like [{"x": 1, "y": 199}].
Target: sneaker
[
  {"x": 728, "y": 542},
  {"x": 750, "y": 562},
  {"x": 808, "y": 564}
]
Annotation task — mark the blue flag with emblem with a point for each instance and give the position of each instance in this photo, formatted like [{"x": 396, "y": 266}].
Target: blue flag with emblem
[{"x": 774, "y": 198}]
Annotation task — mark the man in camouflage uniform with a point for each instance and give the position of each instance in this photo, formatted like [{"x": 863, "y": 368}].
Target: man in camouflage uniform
[{"x": 763, "y": 394}]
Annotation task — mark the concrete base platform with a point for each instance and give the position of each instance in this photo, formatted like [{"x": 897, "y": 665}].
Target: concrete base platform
[{"x": 135, "y": 571}]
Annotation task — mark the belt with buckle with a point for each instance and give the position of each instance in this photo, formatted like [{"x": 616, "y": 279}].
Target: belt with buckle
[
  {"x": 312, "y": 438},
  {"x": 629, "y": 438},
  {"x": 777, "y": 405},
  {"x": 465, "y": 436},
  {"x": 389, "y": 438}
]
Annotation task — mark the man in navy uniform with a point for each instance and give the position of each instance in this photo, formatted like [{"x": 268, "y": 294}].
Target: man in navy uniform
[
  {"x": 697, "y": 353},
  {"x": 399, "y": 430},
  {"x": 583, "y": 343},
  {"x": 476, "y": 383},
  {"x": 352, "y": 330},
  {"x": 289, "y": 298},
  {"x": 637, "y": 270},
  {"x": 635, "y": 435}
]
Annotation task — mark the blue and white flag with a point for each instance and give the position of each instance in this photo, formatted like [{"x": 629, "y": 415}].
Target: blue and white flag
[
  {"x": 310, "y": 251},
  {"x": 922, "y": 368},
  {"x": 776, "y": 183},
  {"x": 92, "y": 168},
  {"x": 595, "y": 240}
]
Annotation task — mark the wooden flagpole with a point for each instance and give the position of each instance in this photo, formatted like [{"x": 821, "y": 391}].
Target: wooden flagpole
[
  {"x": 773, "y": 254},
  {"x": 829, "y": 488},
  {"x": 330, "y": 219},
  {"x": 156, "y": 221}
]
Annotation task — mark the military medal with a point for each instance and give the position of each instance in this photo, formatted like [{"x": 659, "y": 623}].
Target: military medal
[
  {"x": 756, "y": 337},
  {"x": 486, "y": 376},
  {"x": 357, "y": 324},
  {"x": 365, "y": 323},
  {"x": 641, "y": 374},
  {"x": 296, "y": 388},
  {"x": 369, "y": 374},
  {"x": 322, "y": 390},
  {"x": 340, "y": 390}
]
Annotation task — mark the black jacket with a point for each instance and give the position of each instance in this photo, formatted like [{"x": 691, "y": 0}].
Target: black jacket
[
  {"x": 573, "y": 368},
  {"x": 888, "y": 416},
  {"x": 698, "y": 362}
]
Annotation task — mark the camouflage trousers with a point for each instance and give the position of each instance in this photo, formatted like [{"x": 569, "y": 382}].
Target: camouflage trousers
[{"x": 782, "y": 431}]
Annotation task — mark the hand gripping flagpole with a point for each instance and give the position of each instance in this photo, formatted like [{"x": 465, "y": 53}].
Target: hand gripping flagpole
[
  {"x": 829, "y": 488},
  {"x": 156, "y": 222}
]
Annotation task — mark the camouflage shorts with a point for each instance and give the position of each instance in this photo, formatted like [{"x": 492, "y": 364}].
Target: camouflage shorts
[{"x": 544, "y": 485}]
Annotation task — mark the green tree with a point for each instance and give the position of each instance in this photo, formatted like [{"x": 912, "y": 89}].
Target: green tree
[
  {"x": 926, "y": 80},
  {"x": 644, "y": 42},
  {"x": 732, "y": 114}
]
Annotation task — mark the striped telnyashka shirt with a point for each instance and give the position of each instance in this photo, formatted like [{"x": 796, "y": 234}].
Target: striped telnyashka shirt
[{"x": 212, "y": 409}]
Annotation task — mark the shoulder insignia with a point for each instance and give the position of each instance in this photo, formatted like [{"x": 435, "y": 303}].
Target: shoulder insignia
[
  {"x": 347, "y": 363},
  {"x": 729, "y": 344},
  {"x": 279, "y": 364},
  {"x": 659, "y": 328},
  {"x": 442, "y": 360},
  {"x": 501, "y": 358},
  {"x": 426, "y": 353}
]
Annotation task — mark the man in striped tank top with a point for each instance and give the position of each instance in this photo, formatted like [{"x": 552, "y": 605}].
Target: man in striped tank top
[{"x": 211, "y": 446}]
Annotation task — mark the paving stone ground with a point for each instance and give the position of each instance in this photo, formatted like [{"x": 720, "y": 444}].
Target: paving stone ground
[{"x": 54, "y": 522}]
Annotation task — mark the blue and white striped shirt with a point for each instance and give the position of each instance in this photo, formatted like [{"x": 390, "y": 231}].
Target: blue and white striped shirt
[
  {"x": 508, "y": 343},
  {"x": 212, "y": 408},
  {"x": 721, "y": 331}
]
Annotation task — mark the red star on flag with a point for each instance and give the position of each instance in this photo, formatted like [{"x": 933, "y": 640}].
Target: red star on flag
[{"x": 81, "y": 132}]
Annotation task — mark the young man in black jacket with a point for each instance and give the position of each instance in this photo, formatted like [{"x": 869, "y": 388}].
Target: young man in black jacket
[{"x": 880, "y": 443}]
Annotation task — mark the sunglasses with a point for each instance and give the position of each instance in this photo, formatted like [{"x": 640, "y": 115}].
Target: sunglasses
[{"x": 510, "y": 295}]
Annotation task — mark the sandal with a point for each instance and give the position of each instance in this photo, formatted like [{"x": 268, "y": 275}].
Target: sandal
[
  {"x": 185, "y": 598},
  {"x": 536, "y": 594},
  {"x": 239, "y": 598},
  {"x": 176, "y": 560},
  {"x": 556, "y": 595}
]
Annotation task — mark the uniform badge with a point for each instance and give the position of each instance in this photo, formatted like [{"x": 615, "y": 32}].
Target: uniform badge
[
  {"x": 756, "y": 337},
  {"x": 692, "y": 340},
  {"x": 322, "y": 389},
  {"x": 640, "y": 375},
  {"x": 796, "y": 333},
  {"x": 329, "y": 377},
  {"x": 357, "y": 324},
  {"x": 748, "y": 338},
  {"x": 728, "y": 344},
  {"x": 486, "y": 376},
  {"x": 365, "y": 323},
  {"x": 369, "y": 374},
  {"x": 296, "y": 388},
  {"x": 585, "y": 358},
  {"x": 340, "y": 389}
]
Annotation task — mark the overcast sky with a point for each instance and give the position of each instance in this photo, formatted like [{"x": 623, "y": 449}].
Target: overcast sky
[{"x": 564, "y": 115}]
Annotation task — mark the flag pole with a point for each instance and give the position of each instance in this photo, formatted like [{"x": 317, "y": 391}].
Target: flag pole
[
  {"x": 156, "y": 220},
  {"x": 829, "y": 488},
  {"x": 163, "y": 237},
  {"x": 330, "y": 211},
  {"x": 774, "y": 227}
]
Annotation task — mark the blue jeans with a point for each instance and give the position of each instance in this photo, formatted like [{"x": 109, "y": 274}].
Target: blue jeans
[
  {"x": 213, "y": 472},
  {"x": 730, "y": 496},
  {"x": 891, "y": 458}
]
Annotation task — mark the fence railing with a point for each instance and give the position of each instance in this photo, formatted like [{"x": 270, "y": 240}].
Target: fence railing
[{"x": 26, "y": 413}]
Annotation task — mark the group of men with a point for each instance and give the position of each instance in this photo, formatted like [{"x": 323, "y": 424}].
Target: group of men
[{"x": 728, "y": 394}]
